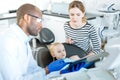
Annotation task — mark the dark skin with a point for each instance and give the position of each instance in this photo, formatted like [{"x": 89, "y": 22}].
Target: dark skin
[{"x": 29, "y": 24}]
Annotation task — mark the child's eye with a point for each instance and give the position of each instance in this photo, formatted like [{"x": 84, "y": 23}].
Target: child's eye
[{"x": 78, "y": 14}]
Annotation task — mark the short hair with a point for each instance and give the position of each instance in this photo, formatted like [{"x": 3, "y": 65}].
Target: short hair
[{"x": 25, "y": 9}]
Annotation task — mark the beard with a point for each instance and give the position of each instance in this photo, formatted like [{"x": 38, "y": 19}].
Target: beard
[{"x": 32, "y": 31}]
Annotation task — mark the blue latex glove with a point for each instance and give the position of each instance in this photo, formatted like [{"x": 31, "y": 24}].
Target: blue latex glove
[
  {"x": 73, "y": 67},
  {"x": 76, "y": 67},
  {"x": 56, "y": 65}
]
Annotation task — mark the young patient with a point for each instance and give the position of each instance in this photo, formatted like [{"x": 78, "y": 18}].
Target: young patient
[{"x": 57, "y": 51}]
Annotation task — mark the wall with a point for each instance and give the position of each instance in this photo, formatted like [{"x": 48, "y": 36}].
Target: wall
[
  {"x": 7, "y": 5},
  {"x": 56, "y": 25}
]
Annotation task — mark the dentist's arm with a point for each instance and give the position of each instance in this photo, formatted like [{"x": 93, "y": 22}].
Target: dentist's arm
[{"x": 55, "y": 66}]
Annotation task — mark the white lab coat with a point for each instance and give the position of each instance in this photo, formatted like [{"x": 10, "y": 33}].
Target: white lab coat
[{"x": 16, "y": 60}]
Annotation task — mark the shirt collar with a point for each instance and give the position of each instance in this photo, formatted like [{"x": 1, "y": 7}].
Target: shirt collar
[{"x": 21, "y": 34}]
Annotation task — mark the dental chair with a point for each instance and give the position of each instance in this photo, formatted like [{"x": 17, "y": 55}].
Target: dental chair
[{"x": 42, "y": 54}]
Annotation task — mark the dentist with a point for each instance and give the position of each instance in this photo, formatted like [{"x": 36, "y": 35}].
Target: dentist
[{"x": 16, "y": 60}]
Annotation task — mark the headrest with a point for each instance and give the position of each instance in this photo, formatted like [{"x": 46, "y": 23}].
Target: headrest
[{"x": 46, "y": 36}]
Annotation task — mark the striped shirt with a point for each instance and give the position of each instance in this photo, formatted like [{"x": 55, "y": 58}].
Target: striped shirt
[{"x": 84, "y": 37}]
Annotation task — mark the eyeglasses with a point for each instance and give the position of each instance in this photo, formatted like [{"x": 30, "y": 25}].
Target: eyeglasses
[{"x": 38, "y": 19}]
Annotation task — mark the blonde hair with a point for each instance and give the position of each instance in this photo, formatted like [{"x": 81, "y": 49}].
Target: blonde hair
[
  {"x": 51, "y": 47},
  {"x": 80, "y": 6}
]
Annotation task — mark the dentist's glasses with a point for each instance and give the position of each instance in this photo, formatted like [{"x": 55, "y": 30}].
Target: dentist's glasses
[{"x": 38, "y": 19}]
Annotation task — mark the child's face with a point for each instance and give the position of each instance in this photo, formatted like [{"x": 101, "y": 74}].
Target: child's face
[{"x": 59, "y": 52}]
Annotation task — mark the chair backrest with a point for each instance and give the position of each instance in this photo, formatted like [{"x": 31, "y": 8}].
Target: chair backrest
[
  {"x": 74, "y": 50},
  {"x": 43, "y": 57},
  {"x": 42, "y": 54}
]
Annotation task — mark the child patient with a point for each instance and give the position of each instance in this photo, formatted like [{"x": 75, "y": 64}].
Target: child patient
[{"x": 57, "y": 51}]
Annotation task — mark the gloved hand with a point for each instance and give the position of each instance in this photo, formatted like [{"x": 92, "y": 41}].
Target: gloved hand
[
  {"x": 75, "y": 67},
  {"x": 56, "y": 65}
]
